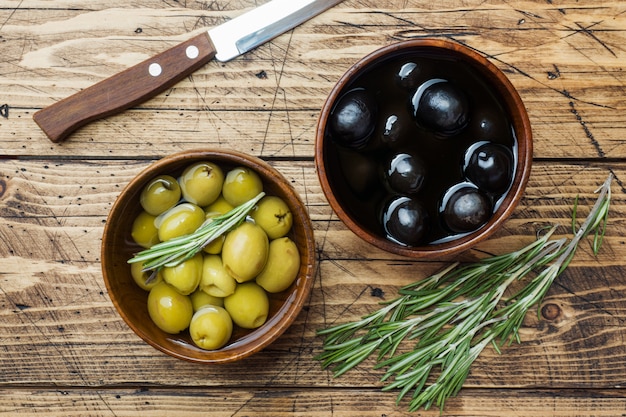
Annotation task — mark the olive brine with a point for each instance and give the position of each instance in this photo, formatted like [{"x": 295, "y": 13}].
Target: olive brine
[
  {"x": 228, "y": 285},
  {"x": 421, "y": 150}
]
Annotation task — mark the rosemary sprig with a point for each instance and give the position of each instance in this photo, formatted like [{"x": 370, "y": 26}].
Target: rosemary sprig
[
  {"x": 451, "y": 316},
  {"x": 174, "y": 251}
]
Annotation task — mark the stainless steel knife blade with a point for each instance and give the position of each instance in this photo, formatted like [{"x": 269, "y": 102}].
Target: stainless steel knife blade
[
  {"x": 261, "y": 24},
  {"x": 154, "y": 75}
]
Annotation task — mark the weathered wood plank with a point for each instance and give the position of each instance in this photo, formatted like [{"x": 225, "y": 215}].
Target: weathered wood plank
[
  {"x": 566, "y": 62},
  {"x": 54, "y": 310},
  {"x": 48, "y": 206},
  {"x": 312, "y": 402},
  {"x": 65, "y": 331}
]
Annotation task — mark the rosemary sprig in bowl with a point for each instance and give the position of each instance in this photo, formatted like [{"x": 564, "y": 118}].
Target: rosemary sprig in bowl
[
  {"x": 451, "y": 316},
  {"x": 175, "y": 251}
]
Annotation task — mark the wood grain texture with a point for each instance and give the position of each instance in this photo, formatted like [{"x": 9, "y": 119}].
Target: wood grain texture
[
  {"x": 65, "y": 351},
  {"x": 566, "y": 61},
  {"x": 54, "y": 304},
  {"x": 310, "y": 403}
]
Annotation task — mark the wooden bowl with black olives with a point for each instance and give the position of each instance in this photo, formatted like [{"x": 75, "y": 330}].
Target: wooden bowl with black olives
[
  {"x": 423, "y": 148},
  {"x": 208, "y": 255}
]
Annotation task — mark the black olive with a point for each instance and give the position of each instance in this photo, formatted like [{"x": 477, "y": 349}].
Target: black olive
[
  {"x": 361, "y": 173},
  {"x": 405, "y": 173},
  {"x": 489, "y": 123},
  {"x": 392, "y": 130},
  {"x": 440, "y": 106},
  {"x": 405, "y": 221},
  {"x": 408, "y": 77},
  {"x": 466, "y": 209},
  {"x": 490, "y": 167},
  {"x": 353, "y": 118},
  {"x": 395, "y": 125}
]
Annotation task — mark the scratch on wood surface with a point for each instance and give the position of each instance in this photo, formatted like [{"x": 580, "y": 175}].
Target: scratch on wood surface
[
  {"x": 278, "y": 90},
  {"x": 589, "y": 32},
  {"x": 586, "y": 129},
  {"x": 14, "y": 268},
  {"x": 618, "y": 180},
  {"x": 71, "y": 360},
  {"x": 19, "y": 6}
]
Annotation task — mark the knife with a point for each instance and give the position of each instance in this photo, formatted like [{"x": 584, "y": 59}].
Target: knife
[{"x": 152, "y": 76}]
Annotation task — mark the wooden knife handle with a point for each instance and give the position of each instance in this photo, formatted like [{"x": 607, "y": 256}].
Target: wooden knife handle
[{"x": 126, "y": 89}]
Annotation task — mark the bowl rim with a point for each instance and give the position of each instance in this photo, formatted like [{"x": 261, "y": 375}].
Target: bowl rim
[
  {"x": 276, "y": 325},
  {"x": 519, "y": 118}
]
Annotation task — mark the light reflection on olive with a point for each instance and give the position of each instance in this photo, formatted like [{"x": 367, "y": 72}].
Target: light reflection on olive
[
  {"x": 405, "y": 220},
  {"x": 353, "y": 118},
  {"x": 405, "y": 173},
  {"x": 465, "y": 209},
  {"x": 490, "y": 167},
  {"x": 440, "y": 106}
]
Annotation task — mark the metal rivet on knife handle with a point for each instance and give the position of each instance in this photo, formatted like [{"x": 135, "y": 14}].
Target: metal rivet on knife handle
[
  {"x": 192, "y": 52},
  {"x": 155, "y": 69}
]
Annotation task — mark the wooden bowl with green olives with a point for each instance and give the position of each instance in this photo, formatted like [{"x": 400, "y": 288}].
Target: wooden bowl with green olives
[
  {"x": 208, "y": 255},
  {"x": 423, "y": 148}
]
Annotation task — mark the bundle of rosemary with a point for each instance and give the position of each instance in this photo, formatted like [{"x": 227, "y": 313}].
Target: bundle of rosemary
[{"x": 453, "y": 315}]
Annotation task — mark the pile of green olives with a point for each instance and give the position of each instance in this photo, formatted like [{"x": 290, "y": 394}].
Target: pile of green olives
[
  {"x": 419, "y": 148},
  {"x": 229, "y": 283}
]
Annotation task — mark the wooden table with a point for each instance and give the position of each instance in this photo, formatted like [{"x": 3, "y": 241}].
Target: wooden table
[{"x": 65, "y": 351}]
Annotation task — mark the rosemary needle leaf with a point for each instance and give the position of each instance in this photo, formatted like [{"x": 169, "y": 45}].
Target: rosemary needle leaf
[{"x": 451, "y": 316}]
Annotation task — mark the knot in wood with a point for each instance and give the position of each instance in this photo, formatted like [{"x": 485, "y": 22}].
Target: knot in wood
[
  {"x": 377, "y": 292},
  {"x": 550, "y": 311}
]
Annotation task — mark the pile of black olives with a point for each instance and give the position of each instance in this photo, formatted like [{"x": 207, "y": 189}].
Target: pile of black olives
[{"x": 420, "y": 149}]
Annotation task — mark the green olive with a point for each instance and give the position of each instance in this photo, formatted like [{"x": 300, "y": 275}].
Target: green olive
[
  {"x": 144, "y": 231},
  {"x": 201, "y": 183},
  {"x": 245, "y": 250},
  {"x": 211, "y": 327},
  {"x": 281, "y": 269},
  {"x": 185, "y": 276},
  {"x": 160, "y": 194},
  {"x": 214, "y": 247},
  {"x": 181, "y": 220},
  {"x": 273, "y": 215},
  {"x": 200, "y": 299},
  {"x": 240, "y": 185},
  {"x": 219, "y": 206},
  {"x": 248, "y": 306},
  {"x": 216, "y": 281},
  {"x": 169, "y": 310},
  {"x": 142, "y": 277}
]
